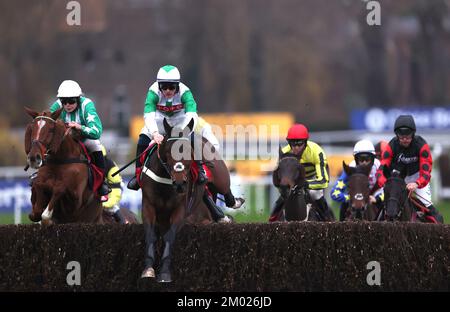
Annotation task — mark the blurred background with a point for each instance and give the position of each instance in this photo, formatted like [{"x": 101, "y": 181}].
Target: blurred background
[{"x": 247, "y": 62}]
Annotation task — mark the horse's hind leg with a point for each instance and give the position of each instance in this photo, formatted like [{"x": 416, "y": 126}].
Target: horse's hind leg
[{"x": 150, "y": 240}]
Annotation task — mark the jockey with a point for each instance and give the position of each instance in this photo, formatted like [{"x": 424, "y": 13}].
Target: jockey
[
  {"x": 112, "y": 205},
  {"x": 363, "y": 154},
  {"x": 167, "y": 98},
  {"x": 412, "y": 153},
  {"x": 80, "y": 113},
  {"x": 314, "y": 160}
]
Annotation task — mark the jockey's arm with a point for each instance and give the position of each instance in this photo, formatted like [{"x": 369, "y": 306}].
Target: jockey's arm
[
  {"x": 190, "y": 107},
  {"x": 55, "y": 106},
  {"x": 425, "y": 166},
  {"x": 150, "y": 111},
  {"x": 386, "y": 159},
  {"x": 93, "y": 128},
  {"x": 321, "y": 179},
  {"x": 339, "y": 192}
]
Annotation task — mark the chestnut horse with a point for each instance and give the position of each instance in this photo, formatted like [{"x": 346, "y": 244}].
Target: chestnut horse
[{"x": 60, "y": 192}]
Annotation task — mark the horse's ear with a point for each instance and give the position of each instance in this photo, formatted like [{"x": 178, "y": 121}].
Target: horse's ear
[
  {"x": 57, "y": 136},
  {"x": 28, "y": 139},
  {"x": 190, "y": 125},
  {"x": 56, "y": 113},
  {"x": 31, "y": 112},
  {"x": 167, "y": 127},
  {"x": 348, "y": 170}
]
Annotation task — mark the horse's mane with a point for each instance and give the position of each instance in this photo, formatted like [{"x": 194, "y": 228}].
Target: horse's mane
[{"x": 289, "y": 155}]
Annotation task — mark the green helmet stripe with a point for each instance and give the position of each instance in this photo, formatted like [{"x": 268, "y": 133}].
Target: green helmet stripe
[{"x": 168, "y": 68}]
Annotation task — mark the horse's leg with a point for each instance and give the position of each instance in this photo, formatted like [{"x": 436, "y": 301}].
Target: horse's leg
[
  {"x": 150, "y": 241},
  {"x": 39, "y": 201},
  {"x": 169, "y": 239},
  {"x": 149, "y": 219}
]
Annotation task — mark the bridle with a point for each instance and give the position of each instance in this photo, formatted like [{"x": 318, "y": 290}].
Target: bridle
[
  {"x": 295, "y": 189},
  {"x": 178, "y": 167}
]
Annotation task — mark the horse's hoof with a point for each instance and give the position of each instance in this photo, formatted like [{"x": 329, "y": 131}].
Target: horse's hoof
[
  {"x": 34, "y": 218},
  {"x": 46, "y": 222},
  {"x": 225, "y": 219},
  {"x": 238, "y": 203},
  {"x": 148, "y": 273},
  {"x": 164, "y": 278}
]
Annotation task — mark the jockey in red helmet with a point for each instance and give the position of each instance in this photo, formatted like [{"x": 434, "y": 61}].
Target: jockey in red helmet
[{"x": 314, "y": 160}]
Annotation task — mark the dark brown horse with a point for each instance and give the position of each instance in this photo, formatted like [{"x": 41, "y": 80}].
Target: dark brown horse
[
  {"x": 360, "y": 207},
  {"x": 170, "y": 197},
  {"x": 60, "y": 192},
  {"x": 289, "y": 177},
  {"x": 397, "y": 206}
]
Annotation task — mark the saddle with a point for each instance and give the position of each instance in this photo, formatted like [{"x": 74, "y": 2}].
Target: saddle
[{"x": 95, "y": 174}]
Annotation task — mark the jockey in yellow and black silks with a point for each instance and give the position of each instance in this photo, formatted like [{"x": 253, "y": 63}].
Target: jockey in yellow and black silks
[
  {"x": 112, "y": 205},
  {"x": 314, "y": 161}
]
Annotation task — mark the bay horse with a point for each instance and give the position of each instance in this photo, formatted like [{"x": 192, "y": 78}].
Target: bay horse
[
  {"x": 359, "y": 207},
  {"x": 289, "y": 177},
  {"x": 170, "y": 197},
  {"x": 60, "y": 193}
]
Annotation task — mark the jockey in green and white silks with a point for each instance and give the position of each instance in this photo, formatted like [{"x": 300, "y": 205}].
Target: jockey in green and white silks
[
  {"x": 79, "y": 112},
  {"x": 171, "y": 99}
]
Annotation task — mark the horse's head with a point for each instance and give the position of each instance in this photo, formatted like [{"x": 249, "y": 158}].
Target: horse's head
[
  {"x": 42, "y": 136},
  {"x": 290, "y": 175},
  {"x": 175, "y": 153},
  {"x": 395, "y": 194},
  {"x": 358, "y": 188}
]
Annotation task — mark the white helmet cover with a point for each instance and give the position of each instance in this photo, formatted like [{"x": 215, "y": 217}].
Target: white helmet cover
[
  {"x": 69, "y": 88},
  {"x": 364, "y": 146},
  {"x": 168, "y": 73}
]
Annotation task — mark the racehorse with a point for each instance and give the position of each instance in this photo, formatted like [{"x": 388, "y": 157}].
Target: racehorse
[
  {"x": 60, "y": 193},
  {"x": 397, "y": 206},
  {"x": 359, "y": 192},
  {"x": 289, "y": 176},
  {"x": 169, "y": 197}
]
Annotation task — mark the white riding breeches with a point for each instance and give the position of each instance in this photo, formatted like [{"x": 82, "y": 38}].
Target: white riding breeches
[
  {"x": 315, "y": 194},
  {"x": 93, "y": 145},
  {"x": 422, "y": 194}
]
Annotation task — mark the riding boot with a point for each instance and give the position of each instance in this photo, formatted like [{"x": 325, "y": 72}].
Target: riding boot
[
  {"x": 216, "y": 212},
  {"x": 276, "y": 211},
  {"x": 202, "y": 178},
  {"x": 99, "y": 161},
  {"x": 435, "y": 213},
  {"x": 133, "y": 184},
  {"x": 324, "y": 211}
]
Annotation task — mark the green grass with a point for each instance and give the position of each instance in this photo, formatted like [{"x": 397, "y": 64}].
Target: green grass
[{"x": 250, "y": 215}]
